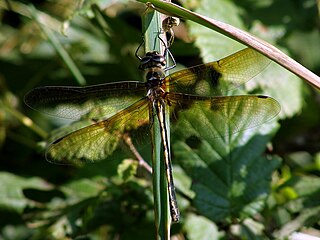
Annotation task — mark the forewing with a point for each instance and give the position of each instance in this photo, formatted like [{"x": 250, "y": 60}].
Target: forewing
[
  {"x": 97, "y": 141},
  {"x": 217, "y": 78},
  {"x": 97, "y": 101},
  {"x": 220, "y": 116}
]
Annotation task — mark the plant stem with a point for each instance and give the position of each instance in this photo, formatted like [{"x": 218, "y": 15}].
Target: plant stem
[
  {"x": 26, "y": 121},
  {"x": 152, "y": 22}
]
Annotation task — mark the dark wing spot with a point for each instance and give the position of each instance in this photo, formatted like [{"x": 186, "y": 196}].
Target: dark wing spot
[
  {"x": 214, "y": 106},
  {"x": 214, "y": 76},
  {"x": 94, "y": 120},
  {"x": 57, "y": 141},
  {"x": 262, "y": 96}
]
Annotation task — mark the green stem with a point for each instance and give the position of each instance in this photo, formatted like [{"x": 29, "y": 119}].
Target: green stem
[
  {"x": 26, "y": 121},
  {"x": 152, "y": 22}
]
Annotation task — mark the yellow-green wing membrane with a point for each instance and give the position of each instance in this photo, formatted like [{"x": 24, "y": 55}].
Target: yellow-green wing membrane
[
  {"x": 217, "y": 78},
  {"x": 97, "y": 141},
  {"x": 99, "y": 101},
  {"x": 220, "y": 116}
]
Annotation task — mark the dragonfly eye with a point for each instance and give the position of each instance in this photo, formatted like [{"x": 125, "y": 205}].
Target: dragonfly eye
[{"x": 152, "y": 60}]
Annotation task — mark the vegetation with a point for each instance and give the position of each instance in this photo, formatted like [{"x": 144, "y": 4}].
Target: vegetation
[{"x": 263, "y": 184}]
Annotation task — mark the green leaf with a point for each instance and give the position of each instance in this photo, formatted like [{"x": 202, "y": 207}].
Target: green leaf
[
  {"x": 12, "y": 232},
  {"x": 230, "y": 176},
  {"x": 198, "y": 228},
  {"x": 304, "y": 185},
  {"x": 309, "y": 57},
  {"x": 307, "y": 217},
  {"x": 182, "y": 181},
  {"x": 83, "y": 188},
  {"x": 212, "y": 45},
  {"x": 251, "y": 229},
  {"x": 11, "y": 191},
  {"x": 127, "y": 169}
]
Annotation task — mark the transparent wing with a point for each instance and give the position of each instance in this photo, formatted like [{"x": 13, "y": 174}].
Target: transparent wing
[
  {"x": 217, "y": 78},
  {"x": 99, "y": 140},
  {"x": 229, "y": 114},
  {"x": 99, "y": 101}
]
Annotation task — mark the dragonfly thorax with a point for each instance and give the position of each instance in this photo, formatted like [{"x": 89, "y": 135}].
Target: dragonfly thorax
[
  {"x": 156, "y": 93},
  {"x": 154, "y": 82},
  {"x": 152, "y": 60},
  {"x": 154, "y": 78}
]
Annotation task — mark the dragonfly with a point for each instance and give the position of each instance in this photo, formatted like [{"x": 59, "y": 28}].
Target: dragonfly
[{"x": 117, "y": 108}]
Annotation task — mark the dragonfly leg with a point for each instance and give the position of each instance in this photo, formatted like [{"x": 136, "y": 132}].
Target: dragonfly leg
[{"x": 136, "y": 53}]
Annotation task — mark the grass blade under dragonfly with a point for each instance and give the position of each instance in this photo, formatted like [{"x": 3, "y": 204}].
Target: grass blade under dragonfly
[{"x": 151, "y": 27}]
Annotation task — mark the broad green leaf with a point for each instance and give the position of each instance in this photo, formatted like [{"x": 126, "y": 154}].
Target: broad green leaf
[
  {"x": 127, "y": 169},
  {"x": 11, "y": 191},
  {"x": 309, "y": 57},
  {"x": 200, "y": 228},
  {"x": 13, "y": 232},
  {"x": 248, "y": 229},
  {"x": 230, "y": 176},
  {"x": 182, "y": 181},
  {"x": 301, "y": 159},
  {"x": 304, "y": 185},
  {"x": 307, "y": 217},
  {"x": 214, "y": 45},
  {"x": 83, "y": 188}
]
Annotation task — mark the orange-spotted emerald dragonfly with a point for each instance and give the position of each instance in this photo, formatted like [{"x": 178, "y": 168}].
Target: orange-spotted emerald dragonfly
[{"x": 129, "y": 105}]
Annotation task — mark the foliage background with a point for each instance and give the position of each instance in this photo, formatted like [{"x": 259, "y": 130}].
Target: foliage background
[{"x": 39, "y": 200}]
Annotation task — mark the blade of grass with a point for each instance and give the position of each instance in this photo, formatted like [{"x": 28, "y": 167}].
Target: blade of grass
[
  {"x": 152, "y": 22},
  {"x": 59, "y": 48},
  {"x": 25, "y": 121},
  {"x": 241, "y": 36}
]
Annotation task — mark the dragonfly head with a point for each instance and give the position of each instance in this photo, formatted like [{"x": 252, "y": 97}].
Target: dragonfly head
[{"x": 152, "y": 60}]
